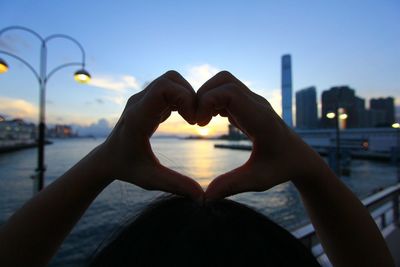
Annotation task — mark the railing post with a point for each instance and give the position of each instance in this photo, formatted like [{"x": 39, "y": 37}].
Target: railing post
[
  {"x": 396, "y": 210},
  {"x": 383, "y": 220}
]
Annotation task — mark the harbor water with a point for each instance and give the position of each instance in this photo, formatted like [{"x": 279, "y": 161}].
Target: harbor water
[{"x": 120, "y": 201}]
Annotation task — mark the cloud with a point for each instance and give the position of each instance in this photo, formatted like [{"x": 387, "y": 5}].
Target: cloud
[
  {"x": 11, "y": 43},
  {"x": 274, "y": 97},
  {"x": 115, "y": 83},
  {"x": 6, "y": 46},
  {"x": 117, "y": 99},
  {"x": 18, "y": 108},
  {"x": 101, "y": 128},
  {"x": 197, "y": 75}
]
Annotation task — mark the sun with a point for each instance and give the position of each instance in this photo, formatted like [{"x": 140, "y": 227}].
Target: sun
[{"x": 204, "y": 131}]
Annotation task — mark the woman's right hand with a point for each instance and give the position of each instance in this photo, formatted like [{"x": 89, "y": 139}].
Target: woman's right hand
[
  {"x": 278, "y": 154},
  {"x": 127, "y": 151}
]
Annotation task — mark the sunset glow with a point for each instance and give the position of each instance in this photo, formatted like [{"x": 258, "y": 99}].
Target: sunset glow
[
  {"x": 176, "y": 125},
  {"x": 204, "y": 131}
]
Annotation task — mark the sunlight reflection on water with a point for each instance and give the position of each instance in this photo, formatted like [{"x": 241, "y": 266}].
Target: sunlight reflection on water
[{"x": 197, "y": 159}]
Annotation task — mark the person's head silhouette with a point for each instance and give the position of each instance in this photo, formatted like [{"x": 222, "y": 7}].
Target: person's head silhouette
[{"x": 177, "y": 231}]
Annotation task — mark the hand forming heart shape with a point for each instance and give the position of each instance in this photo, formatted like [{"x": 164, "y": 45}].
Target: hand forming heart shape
[{"x": 276, "y": 149}]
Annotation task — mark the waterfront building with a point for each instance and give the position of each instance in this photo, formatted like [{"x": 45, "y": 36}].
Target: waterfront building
[
  {"x": 17, "y": 129},
  {"x": 60, "y": 131},
  {"x": 234, "y": 133},
  {"x": 375, "y": 140},
  {"x": 16, "y": 134},
  {"x": 343, "y": 97},
  {"x": 306, "y": 108},
  {"x": 287, "y": 90},
  {"x": 382, "y": 112},
  {"x": 375, "y": 118}
]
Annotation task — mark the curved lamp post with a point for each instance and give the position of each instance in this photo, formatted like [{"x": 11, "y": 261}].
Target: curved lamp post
[
  {"x": 339, "y": 115},
  {"x": 43, "y": 76}
]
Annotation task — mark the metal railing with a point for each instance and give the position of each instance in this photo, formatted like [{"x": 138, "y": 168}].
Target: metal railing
[{"x": 384, "y": 209}]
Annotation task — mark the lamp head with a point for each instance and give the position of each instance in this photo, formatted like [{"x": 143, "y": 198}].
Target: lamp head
[
  {"x": 396, "y": 125},
  {"x": 330, "y": 115},
  {"x": 82, "y": 76},
  {"x": 3, "y": 66}
]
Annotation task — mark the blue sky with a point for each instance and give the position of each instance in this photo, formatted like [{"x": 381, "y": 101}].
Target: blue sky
[{"x": 129, "y": 43}]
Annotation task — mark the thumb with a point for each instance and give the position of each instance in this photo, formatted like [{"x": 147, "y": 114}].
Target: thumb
[
  {"x": 173, "y": 182},
  {"x": 236, "y": 181}
]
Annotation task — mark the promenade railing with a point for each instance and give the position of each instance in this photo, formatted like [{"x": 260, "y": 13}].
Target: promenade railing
[{"x": 383, "y": 206}]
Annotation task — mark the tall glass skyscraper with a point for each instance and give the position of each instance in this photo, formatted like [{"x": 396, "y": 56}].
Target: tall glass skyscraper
[
  {"x": 306, "y": 108},
  {"x": 287, "y": 90}
]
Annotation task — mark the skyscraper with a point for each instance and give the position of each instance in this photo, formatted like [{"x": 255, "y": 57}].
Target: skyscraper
[
  {"x": 385, "y": 106},
  {"x": 306, "y": 108},
  {"x": 343, "y": 97},
  {"x": 287, "y": 90}
]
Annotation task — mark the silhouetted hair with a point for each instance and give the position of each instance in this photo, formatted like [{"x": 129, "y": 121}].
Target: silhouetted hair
[{"x": 177, "y": 231}]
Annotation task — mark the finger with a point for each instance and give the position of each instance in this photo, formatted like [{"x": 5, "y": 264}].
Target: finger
[
  {"x": 230, "y": 183},
  {"x": 178, "y": 78},
  {"x": 212, "y": 101},
  {"x": 223, "y": 113},
  {"x": 230, "y": 101},
  {"x": 173, "y": 182},
  {"x": 135, "y": 98},
  {"x": 246, "y": 112},
  {"x": 165, "y": 116},
  {"x": 217, "y": 80},
  {"x": 167, "y": 95}
]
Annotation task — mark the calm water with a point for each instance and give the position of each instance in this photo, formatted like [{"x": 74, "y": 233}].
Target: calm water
[{"x": 195, "y": 158}]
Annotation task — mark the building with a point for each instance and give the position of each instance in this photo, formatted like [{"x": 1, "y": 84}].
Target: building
[
  {"x": 382, "y": 112},
  {"x": 343, "y": 97},
  {"x": 17, "y": 129},
  {"x": 16, "y": 132},
  {"x": 287, "y": 90},
  {"x": 60, "y": 131},
  {"x": 375, "y": 118},
  {"x": 234, "y": 133},
  {"x": 306, "y": 108},
  {"x": 382, "y": 140}
]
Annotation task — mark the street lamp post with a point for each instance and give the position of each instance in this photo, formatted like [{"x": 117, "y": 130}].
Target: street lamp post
[
  {"x": 396, "y": 126},
  {"x": 43, "y": 77},
  {"x": 337, "y": 115}
]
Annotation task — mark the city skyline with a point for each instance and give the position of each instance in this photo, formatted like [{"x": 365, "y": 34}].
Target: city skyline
[{"x": 342, "y": 44}]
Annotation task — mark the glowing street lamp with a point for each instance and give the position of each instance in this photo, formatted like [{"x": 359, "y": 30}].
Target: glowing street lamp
[
  {"x": 331, "y": 115},
  {"x": 396, "y": 126},
  {"x": 82, "y": 76},
  {"x": 3, "y": 66},
  {"x": 43, "y": 76}
]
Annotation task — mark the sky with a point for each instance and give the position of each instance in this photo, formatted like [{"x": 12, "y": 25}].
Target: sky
[{"x": 130, "y": 43}]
